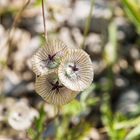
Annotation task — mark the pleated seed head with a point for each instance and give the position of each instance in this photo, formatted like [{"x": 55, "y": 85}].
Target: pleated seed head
[
  {"x": 52, "y": 91},
  {"x": 47, "y": 59},
  {"x": 75, "y": 70}
]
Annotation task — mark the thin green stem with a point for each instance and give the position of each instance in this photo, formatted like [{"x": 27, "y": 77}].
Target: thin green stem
[{"x": 87, "y": 24}]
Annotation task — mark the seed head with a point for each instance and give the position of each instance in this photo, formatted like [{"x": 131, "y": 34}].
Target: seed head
[
  {"x": 52, "y": 91},
  {"x": 21, "y": 116},
  {"x": 75, "y": 70},
  {"x": 47, "y": 59}
]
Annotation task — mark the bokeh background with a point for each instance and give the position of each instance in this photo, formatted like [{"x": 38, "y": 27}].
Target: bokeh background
[{"x": 109, "y": 109}]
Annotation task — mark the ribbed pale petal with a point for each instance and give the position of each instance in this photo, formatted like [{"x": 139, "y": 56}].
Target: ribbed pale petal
[
  {"x": 83, "y": 77},
  {"x": 40, "y": 60},
  {"x": 44, "y": 87}
]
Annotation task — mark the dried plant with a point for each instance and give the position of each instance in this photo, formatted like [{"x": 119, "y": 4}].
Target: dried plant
[
  {"x": 61, "y": 71},
  {"x": 52, "y": 90},
  {"x": 76, "y": 70},
  {"x": 18, "y": 118},
  {"x": 47, "y": 59}
]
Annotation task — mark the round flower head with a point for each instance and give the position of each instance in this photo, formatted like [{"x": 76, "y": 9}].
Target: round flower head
[
  {"x": 52, "y": 91},
  {"x": 76, "y": 70},
  {"x": 21, "y": 116},
  {"x": 47, "y": 59}
]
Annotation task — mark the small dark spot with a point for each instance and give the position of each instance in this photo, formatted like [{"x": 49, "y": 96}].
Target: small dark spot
[
  {"x": 4, "y": 110},
  {"x": 19, "y": 114},
  {"x": 74, "y": 68}
]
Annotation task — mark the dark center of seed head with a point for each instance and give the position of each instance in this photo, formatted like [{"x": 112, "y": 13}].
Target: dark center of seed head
[
  {"x": 48, "y": 60},
  {"x": 51, "y": 57},
  {"x": 56, "y": 86},
  {"x": 74, "y": 68}
]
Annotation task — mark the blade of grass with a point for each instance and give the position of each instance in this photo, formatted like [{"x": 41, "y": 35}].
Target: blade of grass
[
  {"x": 110, "y": 52},
  {"x": 128, "y": 123},
  {"x": 132, "y": 10},
  {"x": 134, "y": 133}
]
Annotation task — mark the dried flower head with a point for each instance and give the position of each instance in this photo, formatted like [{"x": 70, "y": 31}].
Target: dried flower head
[
  {"x": 52, "y": 91},
  {"x": 47, "y": 59},
  {"x": 18, "y": 118},
  {"x": 76, "y": 70}
]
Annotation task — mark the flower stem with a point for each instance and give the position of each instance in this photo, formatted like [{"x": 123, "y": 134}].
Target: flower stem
[
  {"x": 87, "y": 24},
  {"x": 44, "y": 22}
]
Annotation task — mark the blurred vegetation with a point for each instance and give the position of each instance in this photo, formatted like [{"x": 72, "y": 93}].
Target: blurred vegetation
[{"x": 132, "y": 9}]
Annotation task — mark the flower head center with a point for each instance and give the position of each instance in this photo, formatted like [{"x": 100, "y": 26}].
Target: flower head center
[
  {"x": 51, "y": 62},
  {"x": 56, "y": 86},
  {"x": 74, "y": 68},
  {"x": 51, "y": 57}
]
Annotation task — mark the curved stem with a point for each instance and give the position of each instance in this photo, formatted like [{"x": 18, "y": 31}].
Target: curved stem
[
  {"x": 11, "y": 31},
  {"x": 44, "y": 22},
  {"x": 16, "y": 20}
]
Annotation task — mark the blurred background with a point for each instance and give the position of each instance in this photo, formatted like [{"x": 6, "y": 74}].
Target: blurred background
[{"x": 109, "y": 30}]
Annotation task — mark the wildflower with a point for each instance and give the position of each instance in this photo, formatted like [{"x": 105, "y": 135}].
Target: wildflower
[
  {"x": 75, "y": 70},
  {"x": 21, "y": 116},
  {"x": 52, "y": 91},
  {"x": 47, "y": 59}
]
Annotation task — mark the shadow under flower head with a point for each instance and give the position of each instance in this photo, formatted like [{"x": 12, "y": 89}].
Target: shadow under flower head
[
  {"x": 76, "y": 70},
  {"x": 47, "y": 59},
  {"x": 52, "y": 91}
]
